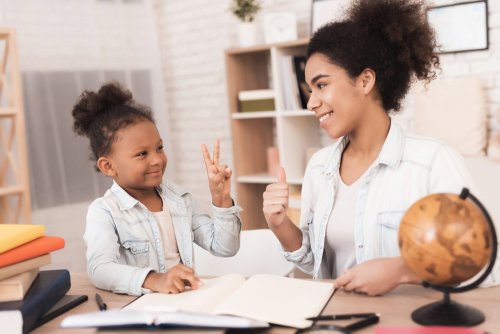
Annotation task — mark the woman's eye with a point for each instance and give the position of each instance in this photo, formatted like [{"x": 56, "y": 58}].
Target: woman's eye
[{"x": 320, "y": 85}]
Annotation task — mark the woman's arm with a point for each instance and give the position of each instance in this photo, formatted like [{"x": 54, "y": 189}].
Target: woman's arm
[
  {"x": 377, "y": 277},
  {"x": 275, "y": 206}
]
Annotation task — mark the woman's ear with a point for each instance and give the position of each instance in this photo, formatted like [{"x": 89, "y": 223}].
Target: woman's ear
[
  {"x": 105, "y": 166},
  {"x": 367, "y": 80}
]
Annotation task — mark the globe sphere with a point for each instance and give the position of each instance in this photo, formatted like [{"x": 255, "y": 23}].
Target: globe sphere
[{"x": 444, "y": 239}]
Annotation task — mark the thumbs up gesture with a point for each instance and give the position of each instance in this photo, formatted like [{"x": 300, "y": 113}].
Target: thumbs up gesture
[{"x": 275, "y": 203}]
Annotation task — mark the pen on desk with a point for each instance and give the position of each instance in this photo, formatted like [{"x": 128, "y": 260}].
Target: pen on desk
[
  {"x": 341, "y": 316},
  {"x": 102, "y": 305}
]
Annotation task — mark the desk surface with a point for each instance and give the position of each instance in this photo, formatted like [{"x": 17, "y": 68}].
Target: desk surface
[{"x": 394, "y": 308}]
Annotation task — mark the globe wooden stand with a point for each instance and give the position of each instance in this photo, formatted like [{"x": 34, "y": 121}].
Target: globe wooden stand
[{"x": 450, "y": 313}]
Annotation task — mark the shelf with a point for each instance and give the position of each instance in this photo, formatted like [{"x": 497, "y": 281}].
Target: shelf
[
  {"x": 253, "y": 114},
  {"x": 265, "y": 178},
  {"x": 295, "y": 113},
  {"x": 11, "y": 190},
  {"x": 7, "y": 112},
  {"x": 265, "y": 47}
]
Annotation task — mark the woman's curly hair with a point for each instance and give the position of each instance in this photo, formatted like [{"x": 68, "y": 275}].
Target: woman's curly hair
[
  {"x": 100, "y": 115},
  {"x": 391, "y": 37}
]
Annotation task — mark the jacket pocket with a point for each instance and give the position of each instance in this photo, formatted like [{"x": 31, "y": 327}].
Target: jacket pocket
[
  {"x": 137, "y": 252},
  {"x": 387, "y": 226}
]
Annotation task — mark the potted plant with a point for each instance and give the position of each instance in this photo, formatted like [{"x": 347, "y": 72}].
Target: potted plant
[{"x": 245, "y": 11}]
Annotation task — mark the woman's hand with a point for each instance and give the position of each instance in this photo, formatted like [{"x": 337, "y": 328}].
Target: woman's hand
[
  {"x": 173, "y": 281},
  {"x": 275, "y": 203},
  {"x": 219, "y": 177},
  {"x": 376, "y": 277}
]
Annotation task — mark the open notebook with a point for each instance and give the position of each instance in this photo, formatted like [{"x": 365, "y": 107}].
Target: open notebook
[{"x": 249, "y": 303}]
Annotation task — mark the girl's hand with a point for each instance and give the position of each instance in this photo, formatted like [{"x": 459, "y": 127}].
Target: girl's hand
[
  {"x": 219, "y": 177},
  {"x": 275, "y": 203},
  {"x": 376, "y": 277},
  {"x": 173, "y": 281}
]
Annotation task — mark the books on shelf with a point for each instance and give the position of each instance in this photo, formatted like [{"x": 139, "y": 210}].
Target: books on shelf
[
  {"x": 257, "y": 100},
  {"x": 295, "y": 90},
  {"x": 13, "y": 235},
  {"x": 15, "y": 287},
  {"x": 228, "y": 301},
  {"x": 47, "y": 289}
]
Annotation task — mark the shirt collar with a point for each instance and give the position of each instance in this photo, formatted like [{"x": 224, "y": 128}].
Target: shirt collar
[
  {"x": 390, "y": 154},
  {"x": 168, "y": 190}
]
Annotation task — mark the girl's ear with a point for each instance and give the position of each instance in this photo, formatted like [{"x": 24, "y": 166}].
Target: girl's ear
[
  {"x": 105, "y": 166},
  {"x": 367, "y": 80}
]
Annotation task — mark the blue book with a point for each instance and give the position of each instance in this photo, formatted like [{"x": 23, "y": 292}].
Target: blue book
[{"x": 47, "y": 289}]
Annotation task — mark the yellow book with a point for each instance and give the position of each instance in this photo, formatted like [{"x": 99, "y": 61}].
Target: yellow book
[
  {"x": 26, "y": 265},
  {"x": 13, "y": 235},
  {"x": 15, "y": 287}
]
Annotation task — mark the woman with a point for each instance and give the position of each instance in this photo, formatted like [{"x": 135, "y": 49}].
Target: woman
[{"x": 356, "y": 190}]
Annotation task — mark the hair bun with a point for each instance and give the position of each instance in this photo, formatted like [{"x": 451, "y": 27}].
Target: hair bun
[{"x": 90, "y": 105}]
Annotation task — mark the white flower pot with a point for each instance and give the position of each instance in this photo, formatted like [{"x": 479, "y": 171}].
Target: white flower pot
[{"x": 247, "y": 33}]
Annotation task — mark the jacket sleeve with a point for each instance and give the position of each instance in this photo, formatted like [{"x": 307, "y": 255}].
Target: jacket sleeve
[
  {"x": 303, "y": 257},
  {"x": 219, "y": 235},
  {"x": 103, "y": 252}
]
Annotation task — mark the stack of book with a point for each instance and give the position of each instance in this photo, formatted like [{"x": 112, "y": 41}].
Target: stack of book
[{"x": 24, "y": 289}]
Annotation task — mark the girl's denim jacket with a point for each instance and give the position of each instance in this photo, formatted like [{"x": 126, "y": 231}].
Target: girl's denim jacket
[{"x": 124, "y": 243}]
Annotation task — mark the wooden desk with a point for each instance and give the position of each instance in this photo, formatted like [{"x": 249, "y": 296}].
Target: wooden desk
[{"x": 394, "y": 308}]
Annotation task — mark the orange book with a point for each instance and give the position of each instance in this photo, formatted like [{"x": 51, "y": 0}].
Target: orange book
[
  {"x": 31, "y": 249},
  {"x": 13, "y": 235}
]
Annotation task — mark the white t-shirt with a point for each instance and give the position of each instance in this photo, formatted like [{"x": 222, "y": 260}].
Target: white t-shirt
[
  {"x": 340, "y": 248},
  {"x": 167, "y": 232}
]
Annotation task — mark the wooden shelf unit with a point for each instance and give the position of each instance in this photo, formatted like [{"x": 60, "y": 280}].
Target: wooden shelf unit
[
  {"x": 15, "y": 206},
  {"x": 291, "y": 131}
]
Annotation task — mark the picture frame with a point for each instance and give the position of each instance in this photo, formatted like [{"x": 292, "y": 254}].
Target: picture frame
[
  {"x": 324, "y": 11},
  {"x": 460, "y": 27}
]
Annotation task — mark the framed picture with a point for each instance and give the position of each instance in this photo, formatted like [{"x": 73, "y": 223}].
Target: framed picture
[
  {"x": 460, "y": 27},
  {"x": 324, "y": 11}
]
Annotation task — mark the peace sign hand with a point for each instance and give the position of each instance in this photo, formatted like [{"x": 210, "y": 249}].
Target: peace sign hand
[{"x": 219, "y": 177}]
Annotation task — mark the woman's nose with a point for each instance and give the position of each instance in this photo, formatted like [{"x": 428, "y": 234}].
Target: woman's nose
[{"x": 313, "y": 103}]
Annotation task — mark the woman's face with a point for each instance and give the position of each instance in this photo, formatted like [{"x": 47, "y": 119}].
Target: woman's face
[{"x": 337, "y": 100}]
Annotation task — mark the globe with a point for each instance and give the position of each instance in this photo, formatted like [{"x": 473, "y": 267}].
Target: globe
[{"x": 445, "y": 239}]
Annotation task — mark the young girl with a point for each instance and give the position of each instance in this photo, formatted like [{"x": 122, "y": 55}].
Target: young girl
[
  {"x": 356, "y": 191},
  {"x": 140, "y": 234}
]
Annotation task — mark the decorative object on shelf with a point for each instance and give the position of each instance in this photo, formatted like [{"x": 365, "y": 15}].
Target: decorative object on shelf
[
  {"x": 324, "y": 11},
  {"x": 245, "y": 11},
  {"x": 460, "y": 27},
  {"x": 256, "y": 100},
  {"x": 280, "y": 27},
  {"x": 447, "y": 239},
  {"x": 273, "y": 161}
]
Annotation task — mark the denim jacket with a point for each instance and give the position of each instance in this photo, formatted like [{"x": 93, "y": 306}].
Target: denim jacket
[
  {"x": 124, "y": 243},
  {"x": 408, "y": 168}
]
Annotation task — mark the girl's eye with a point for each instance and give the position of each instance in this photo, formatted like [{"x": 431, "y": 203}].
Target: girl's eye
[
  {"x": 142, "y": 154},
  {"x": 160, "y": 148}
]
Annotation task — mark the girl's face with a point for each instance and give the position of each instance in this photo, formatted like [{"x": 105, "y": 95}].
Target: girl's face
[
  {"x": 336, "y": 99},
  {"x": 138, "y": 158}
]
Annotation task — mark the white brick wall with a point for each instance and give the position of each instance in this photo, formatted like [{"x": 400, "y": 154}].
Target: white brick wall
[{"x": 193, "y": 35}]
